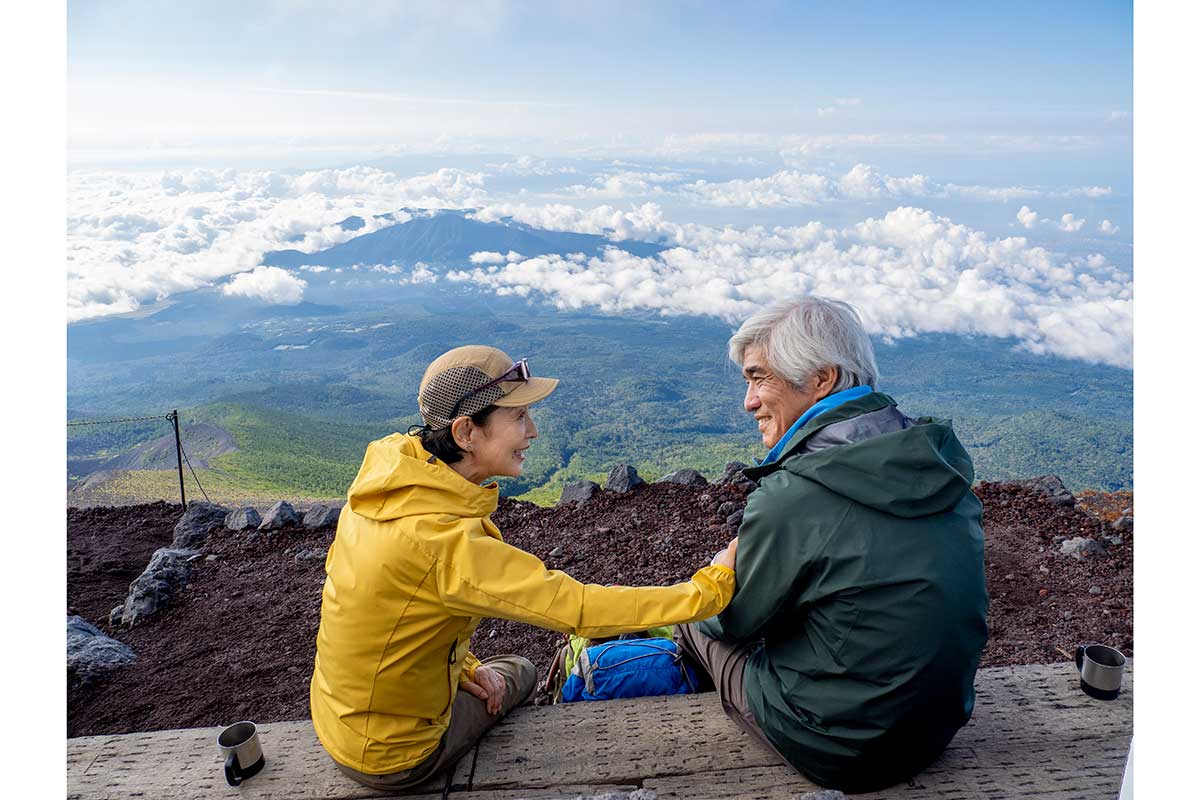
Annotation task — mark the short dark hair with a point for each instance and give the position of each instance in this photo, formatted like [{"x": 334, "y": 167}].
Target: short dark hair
[{"x": 441, "y": 442}]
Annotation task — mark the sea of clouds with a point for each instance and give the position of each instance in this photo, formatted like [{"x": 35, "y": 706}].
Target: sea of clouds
[{"x": 135, "y": 238}]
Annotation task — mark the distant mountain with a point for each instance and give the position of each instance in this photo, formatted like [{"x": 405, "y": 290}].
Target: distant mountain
[{"x": 449, "y": 238}]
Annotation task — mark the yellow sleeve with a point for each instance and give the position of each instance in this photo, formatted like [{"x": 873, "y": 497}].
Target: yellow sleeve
[
  {"x": 468, "y": 667},
  {"x": 482, "y": 576}
]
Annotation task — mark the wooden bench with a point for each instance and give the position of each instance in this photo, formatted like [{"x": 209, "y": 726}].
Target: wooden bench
[{"x": 1033, "y": 734}]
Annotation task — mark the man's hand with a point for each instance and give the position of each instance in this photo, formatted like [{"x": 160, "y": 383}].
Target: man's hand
[
  {"x": 488, "y": 686},
  {"x": 725, "y": 557}
]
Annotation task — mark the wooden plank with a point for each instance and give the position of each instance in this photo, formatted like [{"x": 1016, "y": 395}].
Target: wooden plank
[
  {"x": 555, "y": 793},
  {"x": 623, "y": 740},
  {"x": 1081, "y": 769},
  {"x": 581, "y": 745},
  {"x": 187, "y": 764}
]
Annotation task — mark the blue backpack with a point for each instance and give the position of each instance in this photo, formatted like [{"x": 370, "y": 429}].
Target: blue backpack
[{"x": 629, "y": 668}]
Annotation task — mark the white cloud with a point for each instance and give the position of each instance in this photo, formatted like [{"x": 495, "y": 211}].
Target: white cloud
[
  {"x": 272, "y": 284},
  {"x": 1070, "y": 224},
  {"x": 825, "y": 111},
  {"x": 1106, "y": 227},
  {"x": 490, "y": 257},
  {"x": 862, "y": 182},
  {"x": 1027, "y": 217},
  {"x": 625, "y": 184},
  {"x": 908, "y": 272},
  {"x": 848, "y": 101},
  {"x": 135, "y": 238},
  {"x": 529, "y": 165}
]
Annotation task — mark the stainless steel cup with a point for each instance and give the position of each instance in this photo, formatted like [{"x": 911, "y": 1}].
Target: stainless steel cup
[
  {"x": 1101, "y": 669},
  {"x": 242, "y": 751}
]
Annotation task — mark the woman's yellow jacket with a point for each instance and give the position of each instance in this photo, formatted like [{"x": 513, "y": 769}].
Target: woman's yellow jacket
[{"x": 414, "y": 565}]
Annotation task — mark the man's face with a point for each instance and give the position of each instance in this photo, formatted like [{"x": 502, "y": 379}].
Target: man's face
[{"x": 774, "y": 402}]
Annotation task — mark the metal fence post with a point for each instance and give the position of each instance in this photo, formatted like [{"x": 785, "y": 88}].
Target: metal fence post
[{"x": 178, "y": 455}]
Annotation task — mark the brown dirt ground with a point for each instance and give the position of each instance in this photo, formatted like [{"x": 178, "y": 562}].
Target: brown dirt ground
[{"x": 239, "y": 641}]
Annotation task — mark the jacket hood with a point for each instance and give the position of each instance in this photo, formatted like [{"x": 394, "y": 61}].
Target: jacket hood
[
  {"x": 400, "y": 478},
  {"x": 913, "y": 472}
]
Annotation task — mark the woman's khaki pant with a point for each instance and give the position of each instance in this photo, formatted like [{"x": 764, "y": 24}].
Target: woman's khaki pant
[{"x": 469, "y": 721}]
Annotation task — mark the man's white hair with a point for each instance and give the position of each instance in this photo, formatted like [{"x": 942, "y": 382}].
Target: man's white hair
[{"x": 799, "y": 337}]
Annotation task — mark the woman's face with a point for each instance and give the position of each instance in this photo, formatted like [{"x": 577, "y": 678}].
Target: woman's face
[{"x": 498, "y": 447}]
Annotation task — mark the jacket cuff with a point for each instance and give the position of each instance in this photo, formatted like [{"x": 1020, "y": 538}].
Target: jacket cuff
[{"x": 470, "y": 663}]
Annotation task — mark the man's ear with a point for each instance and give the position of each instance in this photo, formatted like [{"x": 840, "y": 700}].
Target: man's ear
[
  {"x": 462, "y": 429},
  {"x": 824, "y": 379}
]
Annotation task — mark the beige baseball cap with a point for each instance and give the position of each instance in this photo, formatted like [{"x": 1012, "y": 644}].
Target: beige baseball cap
[{"x": 468, "y": 379}]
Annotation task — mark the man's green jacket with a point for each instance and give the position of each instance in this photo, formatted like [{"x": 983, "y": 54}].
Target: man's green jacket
[{"x": 860, "y": 568}]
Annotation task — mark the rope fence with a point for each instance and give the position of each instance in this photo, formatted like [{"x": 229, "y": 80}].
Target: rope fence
[{"x": 181, "y": 457}]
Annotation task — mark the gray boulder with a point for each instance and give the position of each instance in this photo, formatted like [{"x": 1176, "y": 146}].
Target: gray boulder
[
  {"x": 322, "y": 515},
  {"x": 278, "y": 516},
  {"x": 1081, "y": 548},
  {"x": 578, "y": 492},
  {"x": 199, "y": 520},
  {"x": 733, "y": 475},
  {"x": 1052, "y": 488},
  {"x": 687, "y": 477},
  {"x": 622, "y": 478},
  {"x": 166, "y": 574},
  {"x": 1123, "y": 524},
  {"x": 734, "y": 520},
  {"x": 243, "y": 519},
  {"x": 90, "y": 652}
]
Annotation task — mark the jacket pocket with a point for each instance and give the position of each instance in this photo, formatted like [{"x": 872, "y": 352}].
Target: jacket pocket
[{"x": 451, "y": 660}]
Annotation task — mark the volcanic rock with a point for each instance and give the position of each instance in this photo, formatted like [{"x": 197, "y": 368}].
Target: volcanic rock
[
  {"x": 310, "y": 556},
  {"x": 91, "y": 653},
  {"x": 1123, "y": 524},
  {"x": 278, "y": 516},
  {"x": 166, "y": 574},
  {"x": 622, "y": 478},
  {"x": 735, "y": 519},
  {"x": 243, "y": 519},
  {"x": 578, "y": 492},
  {"x": 727, "y": 508},
  {"x": 1081, "y": 548},
  {"x": 198, "y": 521},
  {"x": 733, "y": 474},
  {"x": 322, "y": 515},
  {"x": 687, "y": 477},
  {"x": 1052, "y": 487}
]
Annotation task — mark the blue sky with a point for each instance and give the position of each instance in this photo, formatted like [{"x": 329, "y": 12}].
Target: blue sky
[{"x": 598, "y": 71}]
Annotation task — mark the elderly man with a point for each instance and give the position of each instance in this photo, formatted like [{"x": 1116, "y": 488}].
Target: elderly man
[{"x": 851, "y": 643}]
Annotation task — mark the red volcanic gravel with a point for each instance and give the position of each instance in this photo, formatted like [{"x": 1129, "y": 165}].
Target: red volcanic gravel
[
  {"x": 107, "y": 548},
  {"x": 238, "y": 643}
]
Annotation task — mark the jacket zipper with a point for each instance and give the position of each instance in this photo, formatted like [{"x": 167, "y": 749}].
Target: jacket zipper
[{"x": 451, "y": 659}]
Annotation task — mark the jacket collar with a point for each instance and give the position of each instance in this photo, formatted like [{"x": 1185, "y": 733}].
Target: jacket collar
[{"x": 847, "y": 410}]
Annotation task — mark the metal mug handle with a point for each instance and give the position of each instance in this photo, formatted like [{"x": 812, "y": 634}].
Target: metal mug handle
[
  {"x": 231, "y": 770},
  {"x": 1079, "y": 657}
]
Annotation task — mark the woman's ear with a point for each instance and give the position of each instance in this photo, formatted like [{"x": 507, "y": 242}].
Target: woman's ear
[{"x": 463, "y": 430}]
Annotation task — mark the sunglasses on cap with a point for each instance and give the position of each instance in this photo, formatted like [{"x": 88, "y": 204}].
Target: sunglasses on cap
[{"x": 519, "y": 371}]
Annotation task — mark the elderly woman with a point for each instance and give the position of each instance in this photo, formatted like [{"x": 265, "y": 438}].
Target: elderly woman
[{"x": 417, "y": 562}]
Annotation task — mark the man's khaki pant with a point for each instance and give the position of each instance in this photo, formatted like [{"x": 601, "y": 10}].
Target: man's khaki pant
[
  {"x": 726, "y": 666},
  {"x": 469, "y": 721}
]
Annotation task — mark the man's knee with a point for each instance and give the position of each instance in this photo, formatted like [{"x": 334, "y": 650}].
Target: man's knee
[{"x": 518, "y": 671}]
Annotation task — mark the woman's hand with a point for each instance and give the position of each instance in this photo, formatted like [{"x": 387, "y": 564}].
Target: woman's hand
[
  {"x": 725, "y": 557},
  {"x": 488, "y": 686}
]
